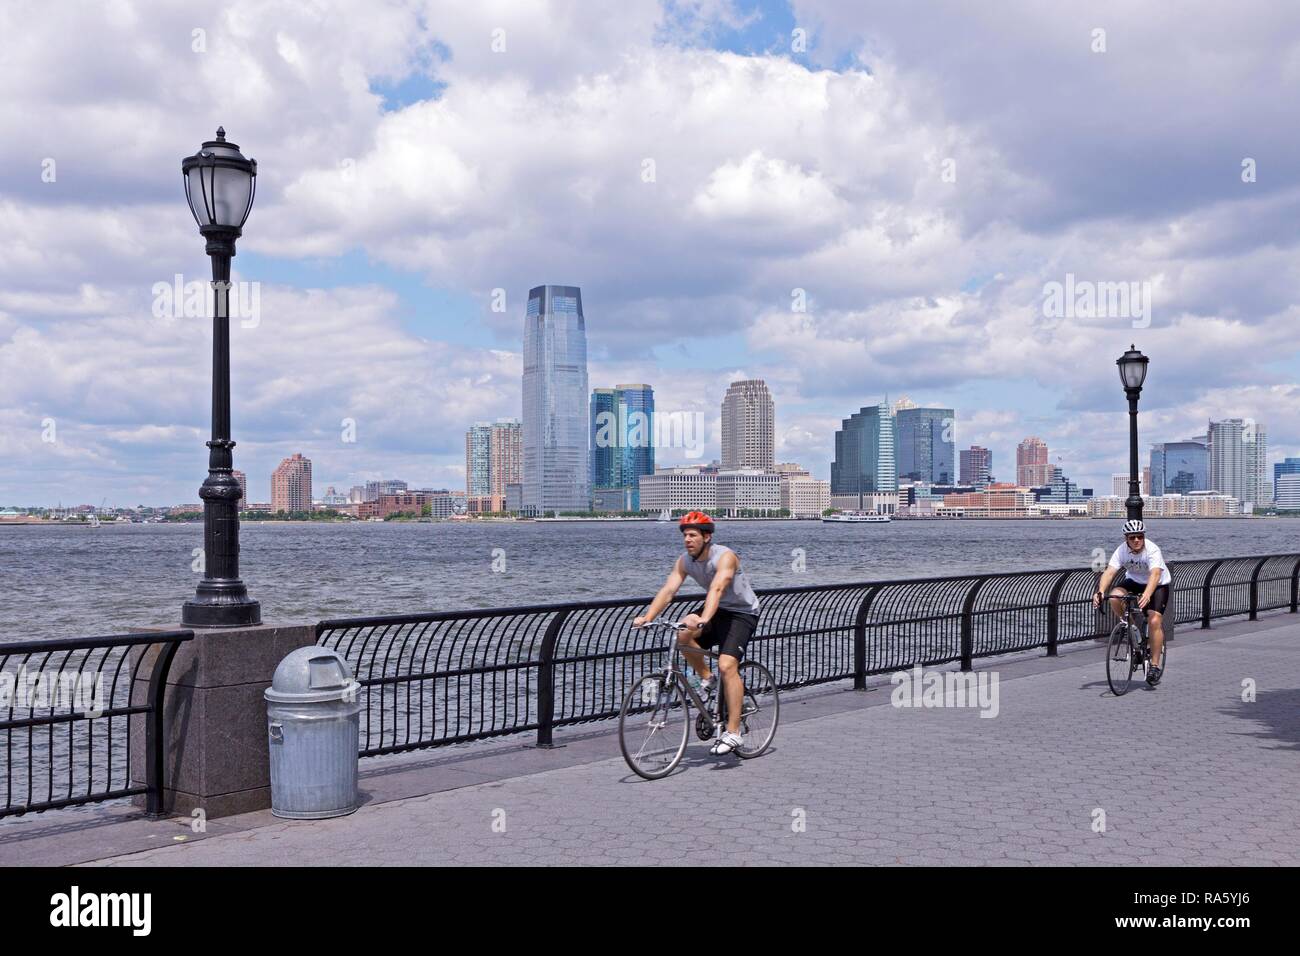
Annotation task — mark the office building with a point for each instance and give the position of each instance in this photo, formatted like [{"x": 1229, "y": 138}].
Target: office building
[
  {"x": 622, "y": 441},
  {"x": 748, "y": 426},
  {"x": 1032, "y": 469},
  {"x": 864, "y": 462},
  {"x": 557, "y": 473},
  {"x": 976, "y": 466},
  {"x": 924, "y": 439}
]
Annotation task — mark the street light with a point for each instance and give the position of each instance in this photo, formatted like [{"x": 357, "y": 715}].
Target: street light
[
  {"x": 219, "y": 185},
  {"x": 1133, "y": 372}
]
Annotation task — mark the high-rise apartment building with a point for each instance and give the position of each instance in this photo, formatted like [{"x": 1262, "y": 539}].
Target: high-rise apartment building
[
  {"x": 555, "y": 413},
  {"x": 976, "y": 465},
  {"x": 291, "y": 485},
  {"x": 924, "y": 439},
  {"x": 748, "y": 426},
  {"x": 864, "y": 462},
  {"x": 1228, "y": 459},
  {"x": 1032, "y": 468},
  {"x": 1259, "y": 484},
  {"x": 478, "y": 459},
  {"x": 505, "y": 456}
]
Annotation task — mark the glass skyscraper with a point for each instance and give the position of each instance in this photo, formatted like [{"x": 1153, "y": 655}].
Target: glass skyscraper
[
  {"x": 924, "y": 443},
  {"x": 478, "y": 459},
  {"x": 864, "y": 454},
  {"x": 622, "y": 436},
  {"x": 1179, "y": 467},
  {"x": 556, "y": 464}
]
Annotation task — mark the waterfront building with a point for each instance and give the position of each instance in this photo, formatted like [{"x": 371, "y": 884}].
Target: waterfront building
[
  {"x": 1032, "y": 468},
  {"x": 1179, "y": 467},
  {"x": 748, "y": 489},
  {"x": 478, "y": 460},
  {"x": 748, "y": 426},
  {"x": 1287, "y": 490},
  {"x": 556, "y": 459},
  {"x": 976, "y": 466},
  {"x": 243, "y": 489},
  {"x": 864, "y": 462},
  {"x": 622, "y": 440},
  {"x": 1287, "y": 466},
  {"x": 389, "y": 486},
  {"x": 291, "y": 484},
  {"x": 692, "y": 488},
  {"x": 924, "y": 439},
  {"x": 804, "y": 496}
]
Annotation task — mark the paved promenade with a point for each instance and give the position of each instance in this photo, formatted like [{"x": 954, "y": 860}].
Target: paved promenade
[{"x": 1186, "y": 774}]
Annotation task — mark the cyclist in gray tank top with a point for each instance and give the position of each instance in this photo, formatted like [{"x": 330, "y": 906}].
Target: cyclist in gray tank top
[
  {"x": 738, "y": 595},
  {"x": 726, "y": 620}
]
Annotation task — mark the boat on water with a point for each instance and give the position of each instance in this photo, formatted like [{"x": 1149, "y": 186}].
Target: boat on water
[
  {"x": 855, "y": 517},
  {"x": 665, "y": 515}
]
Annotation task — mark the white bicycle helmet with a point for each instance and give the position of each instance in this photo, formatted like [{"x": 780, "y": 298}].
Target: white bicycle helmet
[{"x": 1134, "y": 526}]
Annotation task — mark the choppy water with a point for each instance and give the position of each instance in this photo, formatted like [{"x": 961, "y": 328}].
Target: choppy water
[{"x": 77, "y": 581}]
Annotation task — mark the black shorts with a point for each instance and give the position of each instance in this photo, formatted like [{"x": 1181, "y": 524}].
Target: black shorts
[
  {"x": 1159, "y": 597},
  {"x": 729, "y": 631}
]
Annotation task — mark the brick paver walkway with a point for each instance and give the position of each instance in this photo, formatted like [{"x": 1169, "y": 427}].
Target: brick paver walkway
[{"x": 1186, "y": 774}]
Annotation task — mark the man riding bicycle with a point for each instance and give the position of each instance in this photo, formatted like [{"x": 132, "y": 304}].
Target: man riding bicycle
[
  {"x": 1144, "y": 572},
  {"x": 726, "y": 620}
]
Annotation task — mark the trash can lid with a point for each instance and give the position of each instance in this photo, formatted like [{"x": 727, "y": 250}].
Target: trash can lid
[{"x": 312, "y": 674}]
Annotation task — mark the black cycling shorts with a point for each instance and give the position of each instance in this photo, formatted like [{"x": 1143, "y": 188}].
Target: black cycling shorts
[
  {"x": 1159, "y": 597},
  {"x": 729, "y": 631}
]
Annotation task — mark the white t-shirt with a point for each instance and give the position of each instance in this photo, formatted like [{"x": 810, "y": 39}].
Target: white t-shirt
[{"x": 1137, "y": 565}]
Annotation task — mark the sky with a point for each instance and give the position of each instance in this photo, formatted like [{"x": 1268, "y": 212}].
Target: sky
[{"x": 851, "y": 201}]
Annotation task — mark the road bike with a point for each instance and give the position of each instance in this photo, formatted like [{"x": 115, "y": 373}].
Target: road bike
[
  {"x": 655, "y": 722},
  {"x": 1128, "y": 648}
]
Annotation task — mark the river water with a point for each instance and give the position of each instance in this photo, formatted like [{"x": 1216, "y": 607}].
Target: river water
[{"x": 70, "y": 581}]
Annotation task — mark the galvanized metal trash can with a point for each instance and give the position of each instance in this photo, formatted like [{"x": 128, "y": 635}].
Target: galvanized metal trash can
[{"x": 313, "y": 722}]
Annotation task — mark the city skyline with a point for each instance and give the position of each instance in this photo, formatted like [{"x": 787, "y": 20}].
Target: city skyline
[{"x": 711, "y": 245}]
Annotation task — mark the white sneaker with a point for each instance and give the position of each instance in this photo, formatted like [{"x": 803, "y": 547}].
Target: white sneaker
[{"x": 727, "y": 743}]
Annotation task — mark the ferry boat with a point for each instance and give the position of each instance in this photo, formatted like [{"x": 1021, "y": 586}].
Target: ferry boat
[{"x": 855, "y": 517}]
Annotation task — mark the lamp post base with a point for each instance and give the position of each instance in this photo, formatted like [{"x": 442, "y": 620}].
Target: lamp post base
[{"x": 221, "y": 604}]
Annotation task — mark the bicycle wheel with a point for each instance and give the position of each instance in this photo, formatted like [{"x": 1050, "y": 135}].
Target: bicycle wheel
[
  {"x": 760, "y": 710},
  {"x": 1120, "y": 659},
  {"x": 652, "y": 726}
]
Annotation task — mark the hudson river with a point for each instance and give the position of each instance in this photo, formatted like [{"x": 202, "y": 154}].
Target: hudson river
[{"x": 78, "y": 581}]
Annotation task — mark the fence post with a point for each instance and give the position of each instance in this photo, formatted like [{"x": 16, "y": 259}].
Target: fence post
[
  {"x": 860, "y": 641},
  {"x": 1205, "y": 595},
  {"x": 155, "y": 771},
  {"x": 968, "y": 625},
  {"x": 1295, "y": 587},
  {"x": 1254, "y": 589},
  {"x": 546, "y": 683},
  {"x": 1053, "y": 614}
]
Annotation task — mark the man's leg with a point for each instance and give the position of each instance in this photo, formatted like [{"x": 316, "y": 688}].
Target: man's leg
[
  {"x": 699, "y": 662},
  {"x": 1117, "y": 601},
  {"x": 1156, "y": 637},
  {"x": 734, "y": 688}
]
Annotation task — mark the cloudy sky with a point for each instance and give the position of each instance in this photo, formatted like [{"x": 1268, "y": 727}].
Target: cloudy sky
[{"x": 922, "y": 172}]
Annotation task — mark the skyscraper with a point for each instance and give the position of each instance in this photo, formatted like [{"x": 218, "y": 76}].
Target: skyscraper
[
  {"x": 976, "y": 465},
  {"x": 478, "y": 459},
  {"x": 923, "y": 444},
  {"x": 291, "y": 485},
  {"x": 1228, "y": 458},
  {"x": 864, "y": 454},
  {"x": 622, "y": 436},
  {"x": 505, "y": 456},
  {"x": 748, "y": 426},
  {"x": 1288, "y": 466},
  {"x": 1259, "y": 485},
  {"x": 1179, "y": 467},
  {"x": 556, "y": 463},
  {"x": 1032, "y": 468}
]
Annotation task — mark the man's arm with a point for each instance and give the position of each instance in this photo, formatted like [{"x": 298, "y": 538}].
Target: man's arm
[
  {"x": 676, "y": 577},
  {"x": 1104, "y": 585},
  {"x": 727, "y": 566}
]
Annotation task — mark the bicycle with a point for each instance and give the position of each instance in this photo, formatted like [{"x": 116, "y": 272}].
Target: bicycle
[
  {"x": 654, "y": 724},
  {"x": 1128, "y": 648}
]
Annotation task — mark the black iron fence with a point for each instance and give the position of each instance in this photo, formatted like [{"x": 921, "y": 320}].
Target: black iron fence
[
  {"x": 446, "y": 677},
  {"x": 71, "y": 712}
]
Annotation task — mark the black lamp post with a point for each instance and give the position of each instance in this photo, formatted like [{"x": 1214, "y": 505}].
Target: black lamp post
[
  {"x": 219, "y": 184},
  {"x": 1133, "y": 372}
]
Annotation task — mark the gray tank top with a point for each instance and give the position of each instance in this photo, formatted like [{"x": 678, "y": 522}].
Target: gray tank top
[{"x": 739, "y": 596}]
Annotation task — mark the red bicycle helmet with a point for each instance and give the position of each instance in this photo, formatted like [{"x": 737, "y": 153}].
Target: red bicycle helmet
[{"x": 697, "y": 520}]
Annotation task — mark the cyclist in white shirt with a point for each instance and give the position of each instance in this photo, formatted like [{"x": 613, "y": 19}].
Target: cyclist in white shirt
[{"x": 1141, "y": 569}]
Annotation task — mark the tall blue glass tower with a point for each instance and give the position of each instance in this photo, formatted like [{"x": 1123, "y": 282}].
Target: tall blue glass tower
[
  {"x": 622, "y": 436},
  {"x": 864, "y": 454},
  {"x": 556, "y": 463}
]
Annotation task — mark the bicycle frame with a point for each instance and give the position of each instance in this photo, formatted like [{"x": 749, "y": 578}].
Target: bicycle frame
[{"x": 679, "y": 675}]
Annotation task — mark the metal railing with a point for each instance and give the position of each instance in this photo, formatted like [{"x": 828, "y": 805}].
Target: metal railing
[
  {"x": 72, "y": 714},
  {"x": 451, "y": 676}
]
